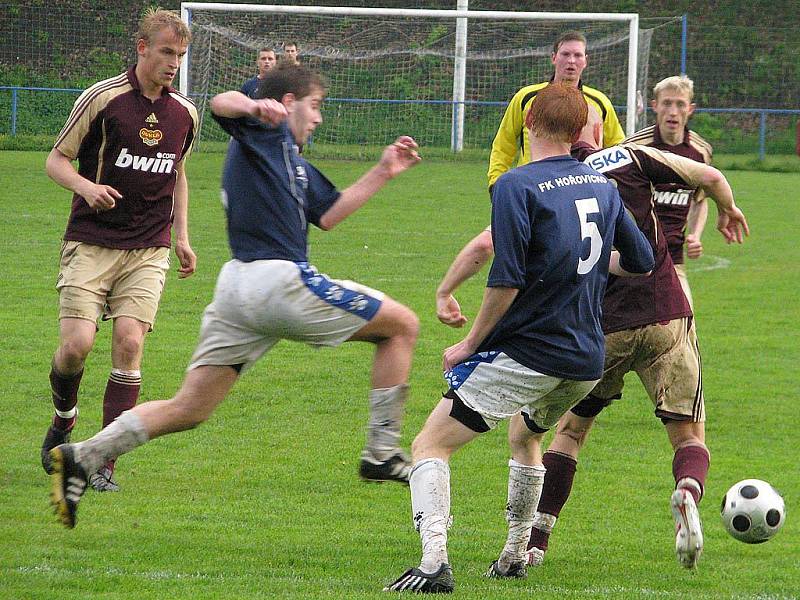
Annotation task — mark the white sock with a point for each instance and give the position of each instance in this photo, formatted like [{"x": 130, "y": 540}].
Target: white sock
[
  {"x": 430, "y": 506},
  {"x": 524, "y": 488},
  {"x": 122, "y": 435},
  {"x": 385, "y": 418}
]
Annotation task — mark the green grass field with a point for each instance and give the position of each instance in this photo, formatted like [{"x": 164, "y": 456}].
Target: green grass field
[{"x": 263, "y": 501}]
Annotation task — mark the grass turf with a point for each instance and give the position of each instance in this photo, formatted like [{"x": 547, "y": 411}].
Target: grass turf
[{"x": 263, "y": 500}]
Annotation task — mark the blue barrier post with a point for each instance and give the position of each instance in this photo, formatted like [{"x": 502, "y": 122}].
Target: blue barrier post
[
  {"x": 762, "y": 136},
  {"x": 13, "y": 112},
  {"x": 684, "y": 28}
]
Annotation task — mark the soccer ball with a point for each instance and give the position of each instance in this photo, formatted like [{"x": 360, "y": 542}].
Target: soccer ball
[{"x": 753, "y": 511}]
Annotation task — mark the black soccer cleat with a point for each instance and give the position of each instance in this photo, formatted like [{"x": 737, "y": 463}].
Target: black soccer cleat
[
  {"x": 517, "y": 570},
  {"x": 419, "y": 582},
  {"x": 395, "y": 468},
  {"x": 54, "y": 437},
  {"x": 103, "y": 480},
  {"x": 68, "y": 484}
]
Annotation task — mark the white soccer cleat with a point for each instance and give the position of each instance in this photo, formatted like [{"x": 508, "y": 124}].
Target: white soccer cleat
[
  {"x": 534, "y": 557},
  {"x": 688, "y": 529}
]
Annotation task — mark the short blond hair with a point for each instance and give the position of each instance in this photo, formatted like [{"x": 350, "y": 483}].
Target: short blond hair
[
  {"x": 677, "y": 83},
  {"x": 155, "y": 19}
]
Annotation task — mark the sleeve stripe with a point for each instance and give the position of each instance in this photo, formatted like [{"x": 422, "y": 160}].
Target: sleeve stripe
[{"x": 86, "y": 99}]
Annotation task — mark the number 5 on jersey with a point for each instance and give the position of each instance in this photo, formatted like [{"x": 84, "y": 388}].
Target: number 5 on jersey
[{"x": 586, "y": 207}]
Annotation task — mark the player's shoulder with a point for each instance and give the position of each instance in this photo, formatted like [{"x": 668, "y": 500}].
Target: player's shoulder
[
  {"x": 701, "y": 145},
  {"x": 610, "y": 159},
  {"x": 595, "y": 95},
  {"x": 104, "y": 91},
  {"x": 185, "y": 102},
  {"x": 525, "y": 94},
  {"x": 643, "y": 137}
]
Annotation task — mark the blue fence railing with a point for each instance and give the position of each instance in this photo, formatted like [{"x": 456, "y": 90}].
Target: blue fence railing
[{"x": 761, "y": 113}]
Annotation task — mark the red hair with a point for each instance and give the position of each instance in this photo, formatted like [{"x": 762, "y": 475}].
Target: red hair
[{"x": 558, "y": 113}]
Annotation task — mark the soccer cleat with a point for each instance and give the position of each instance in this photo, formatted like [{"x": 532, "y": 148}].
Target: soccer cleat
[
  {"x": 54, "y": 437},
  {"x": 517, "y": 570},
  {"x": 688, "y": 529},
  {"x": 415, "y": 580},
  {"x": 534, "y": 556},
  {"x": 395, "y": 468},
  {"x": 68, "y": 484},
  {"x": 103, "y": 480}
]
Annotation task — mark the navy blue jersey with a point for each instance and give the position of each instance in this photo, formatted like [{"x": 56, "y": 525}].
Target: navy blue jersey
[
  {"x": 250, "y": 86},
  {"x": 270, "y": 193},
  {"x": 554, "y": 222}
]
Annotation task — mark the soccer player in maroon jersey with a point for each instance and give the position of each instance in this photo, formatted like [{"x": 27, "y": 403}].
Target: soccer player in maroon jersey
[
  {"x": 131, "y": 135},
  {"x": 650, "y": 330},
  {"x": 682, "y": 211}
]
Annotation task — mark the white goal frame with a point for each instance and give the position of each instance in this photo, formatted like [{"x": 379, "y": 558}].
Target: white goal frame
[{"x": 461, "y": 16}]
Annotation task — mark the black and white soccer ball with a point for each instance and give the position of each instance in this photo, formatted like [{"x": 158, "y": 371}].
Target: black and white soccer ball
[{"x": 753, "y": 511}]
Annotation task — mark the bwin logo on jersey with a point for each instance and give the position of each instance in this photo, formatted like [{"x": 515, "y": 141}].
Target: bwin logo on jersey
[
  {"x": 162, "y": 162},
  {"x": 609, "y": 159},
  {"x": 301, "y": 176}
]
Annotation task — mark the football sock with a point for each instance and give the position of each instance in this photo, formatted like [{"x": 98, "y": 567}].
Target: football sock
[
  {"x": 64, "y": 389},
  {"x": 123, "y": 435},
  {"x": 385, "y": 418},
  {"x": 430, "y": 507},
  {"x": 122, "y": 392},
  {"x": 555, "y": 492},
  {"x": 690, "y": 467},
  {"x": 524, "y": 488}
]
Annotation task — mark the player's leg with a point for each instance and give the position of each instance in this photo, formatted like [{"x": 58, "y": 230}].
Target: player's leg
[
  {"x": 442, "y": 434},
  {"x": 202, "y": 390},
  {"x": 673, "y": 380},
  {"x": 393, "y": 330},
  {"x": 81, "y": 296},
  {"x": 535, "y": 522},
  {"x": 138, "y": 280},
  {"x": 76, "y": 338}
]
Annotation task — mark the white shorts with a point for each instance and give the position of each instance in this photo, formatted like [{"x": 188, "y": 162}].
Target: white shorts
[
  {"x": 256, "y": 304},
  {"x": 497, "y": 387}
]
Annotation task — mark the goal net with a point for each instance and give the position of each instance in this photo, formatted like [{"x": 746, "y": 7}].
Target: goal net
[{"x": 392, "y": 71}]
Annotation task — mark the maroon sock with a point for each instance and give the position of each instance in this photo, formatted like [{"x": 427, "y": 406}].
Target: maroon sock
[
  {"x": 122, "y": 392},
  {"x": 65, "y": 397},
  {"x": 691, "y": 462},
  {"x": 555, "y": 492}
]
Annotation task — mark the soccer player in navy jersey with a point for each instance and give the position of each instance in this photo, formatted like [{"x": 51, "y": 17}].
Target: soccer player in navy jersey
[
  {"x": 269, "y": 291},
  {"x": 536, "y": 342},
  {"x": 131, "y": 135},
  {"x": 265, "y": 61},
  {"x": 649, "y": 329}
]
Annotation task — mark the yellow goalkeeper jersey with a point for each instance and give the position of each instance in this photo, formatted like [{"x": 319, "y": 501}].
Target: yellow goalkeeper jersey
[{"x": 512, "y": 135}]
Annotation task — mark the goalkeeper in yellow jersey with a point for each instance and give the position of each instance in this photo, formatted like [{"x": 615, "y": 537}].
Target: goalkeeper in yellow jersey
[{"x": 569, "y": 60}]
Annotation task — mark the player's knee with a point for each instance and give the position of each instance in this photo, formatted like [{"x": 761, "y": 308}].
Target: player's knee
[
  {"x": 407, "y": 323},
  {"x": 575, "y": 428},
  {"x": 129, "y": 345},
  {"x": 73, "y": 353}
]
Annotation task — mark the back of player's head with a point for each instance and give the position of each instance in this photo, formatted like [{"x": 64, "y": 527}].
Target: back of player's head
[
  {"x": 558, "y": 113},
  {"x": 156, "y": 19},
  {"x": 677, "y": 83},
  {"x": 569, "y": 36},
  {"x": 289, "y": 78}
]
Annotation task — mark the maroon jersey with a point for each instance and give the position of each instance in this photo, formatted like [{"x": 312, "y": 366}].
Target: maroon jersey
[
  {"x": 673, "y": 200},
  {"x": 637, "y": 301},
  {"x": 123, "y": 139}
]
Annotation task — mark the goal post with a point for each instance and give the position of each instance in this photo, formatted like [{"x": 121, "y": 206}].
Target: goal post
[{"x": 391, "y": 66}]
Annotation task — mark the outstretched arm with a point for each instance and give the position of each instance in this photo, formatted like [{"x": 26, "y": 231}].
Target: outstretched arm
[
  {"x": 396, "y": 158},
  {"x": 234, "y": 105},
  {"x": 731, "y": 222},
  {"x": 469, "y": 261}
]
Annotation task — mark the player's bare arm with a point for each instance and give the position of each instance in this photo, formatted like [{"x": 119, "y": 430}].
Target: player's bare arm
[
  {"x": 467, "y": 263},
  {"x": 61, "y": 170},
  {"x": 496, "y": 301},
  {"x": 695, "y": 224},
  {"x": 180, "y": 226},
  {"x": 396, "y": 158},
  {"x": 731, "y": 222},
  {"x": 234, "y": 105}
]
